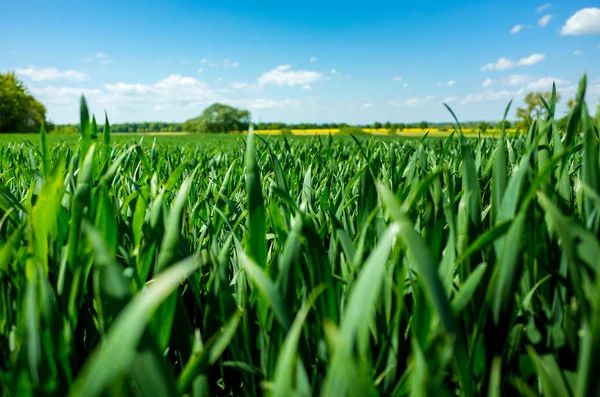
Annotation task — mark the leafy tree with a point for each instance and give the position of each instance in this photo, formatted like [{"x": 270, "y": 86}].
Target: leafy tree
[
  {"x": 483, "y": 126},
  {"x": 377, "y": 125},
  {"x": 533, "y": 107},
  {"x": 219, "y": 118},
  {"x": 423, "y": 125},
  {"x": 401, "y": 126},
  {"x": 19, "y": 111},
  {"x": 387, "y": 126},
  {"x": 504, "y": 123}
]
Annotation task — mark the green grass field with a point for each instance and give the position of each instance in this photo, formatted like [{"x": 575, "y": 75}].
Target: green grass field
[{"x": 226, "y": 265}]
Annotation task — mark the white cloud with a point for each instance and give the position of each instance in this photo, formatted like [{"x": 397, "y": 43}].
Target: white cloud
[
  {"x": 411, "y": 102},
  {"x": 543, "y": 21},
  {"x": 450, "y": 99},
  {"x": 397, "y": 78},
  {"x": 585, "y": 21},
  {"x": 577, "y": 52},
  {"x": 174, "y": 88},
  {"x": 99, "y": 57},
  {"x": 284, "y": 76},
  {"x": 451, "y": 83},
  {"x": 405, "y": 85},
  {"x": 40, "y": 74},
  {"x": 246, "y": 87},
  {"x": 306, "y": 87},
  {"x": 157, "y": 107},
  {"x": 367, "y": 105},
  {"x": 543, "y": 7},
  {"x": 519, "y": 79},
  {"x": 486, "y": 96},
  {"x": 545, "y": 83},
  {"x": 272, "y": 103},
  {"x": 517, "y": 29},
  {"x": 504, "y": 63},
  {"x": 104, "y": 59},
  {"x": 239, "y": 86},
  {"x": 59, "y": 92},
  {"x": 334, "y": 71},
  {"x": 488, "y": 82},
  {"x": 225, "y": 63},
  {"x": 200, "y": 70},
  {"x": 313, "y": 59}
]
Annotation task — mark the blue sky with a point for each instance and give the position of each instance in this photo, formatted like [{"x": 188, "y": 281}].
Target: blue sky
[{"x": 310, "y": 61}]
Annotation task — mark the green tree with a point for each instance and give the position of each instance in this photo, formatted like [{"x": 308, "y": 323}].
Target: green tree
[
  {"x": 19, "y": 111},
  {"x": 533, "y": 108},
  {"x": 219, "y": 118},
  {"x": 423, "y": 124},
  {"x": 377, "y": 125},
  {"x": 483, "y": 126},
  {"x": 387, "y": 126},
  {"x": 504, "y": 123}
]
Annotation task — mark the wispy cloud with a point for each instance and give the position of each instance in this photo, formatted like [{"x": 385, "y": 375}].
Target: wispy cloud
[
  {"x": 545, "y": 83},
  {"x": 519, "y": 79},
  {"x": 104, "y": 59},
  {"x": 545, "y": 20},
  {"x": 505, "y": 63},
  {"x": 225, "y": 63},
  {"x": 488, "y": 82},
  {"x": 450, "y": 99},
  {"x": 451, "y": 83},
  {"x": 577, "y": 52},
  {"x": 517, "y": 28},
  {"x": 41, "y": 74},
  {"x": 100, "y": 57},
  {"x": 313, "y": 59},
  {"x": 411, "y": 102},
  {"x": 486, "y": 96},
  {"x": 585, "y": 21},
  {"x": 397, "y": 78},
  {"x": 543, "y": 7},
  {"x": 284, "y": 76},
  {"x": 367, "y": 105}
]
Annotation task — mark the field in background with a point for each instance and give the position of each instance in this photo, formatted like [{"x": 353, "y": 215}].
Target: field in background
[{"x": 183, "y": 137}]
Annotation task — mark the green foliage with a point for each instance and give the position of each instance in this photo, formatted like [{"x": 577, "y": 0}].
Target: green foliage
[
  {"x": 219, "y": 118},
  {"x": 533, "y": 109},
  {"x": 423, "y": 124},
  {"x": 354, "y": 266},
  {"x": 483, "y": 126},
  {"x": 19, "y": 111},
  {"x": 505, "y": 123}
]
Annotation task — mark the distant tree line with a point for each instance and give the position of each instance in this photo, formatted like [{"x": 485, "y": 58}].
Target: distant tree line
[
  {"x": 124, "y": 128},
  {"x": 21, "y": 112}
]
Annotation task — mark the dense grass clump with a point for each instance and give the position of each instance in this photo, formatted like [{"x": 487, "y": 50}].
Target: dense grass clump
[{"x": 313, "y": 266}]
